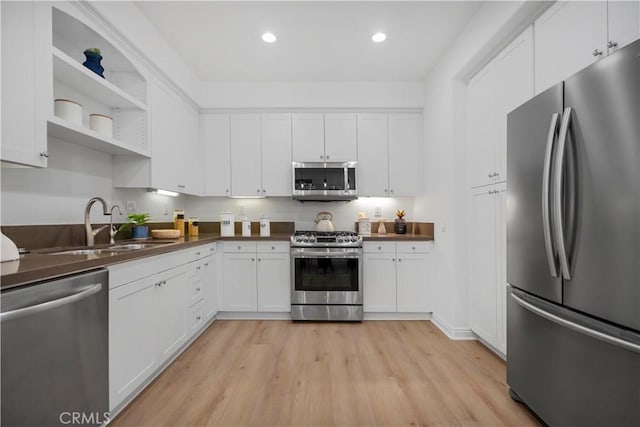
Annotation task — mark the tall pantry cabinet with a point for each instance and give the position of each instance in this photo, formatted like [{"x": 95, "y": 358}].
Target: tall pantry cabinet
[{"x": 503, "y": 84}]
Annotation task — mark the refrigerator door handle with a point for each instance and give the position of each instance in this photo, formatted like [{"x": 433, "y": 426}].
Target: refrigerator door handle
[
  {"x": 609, "y": 339},
  {"x": 546, "y": 188},
  {"x": 558, "y": 194}
]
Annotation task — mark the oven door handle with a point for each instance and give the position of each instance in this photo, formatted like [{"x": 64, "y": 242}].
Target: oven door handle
[{"x": 326, "y": 255}]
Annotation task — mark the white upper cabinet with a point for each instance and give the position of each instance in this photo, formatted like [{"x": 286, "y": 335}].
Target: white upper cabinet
[
  {"x": 623, "y": 23},
  {"x": 176, "y": 164},
  {"x": 502, "y": 85},
  {"x": 308, "y": 137},
  {"x": 27, "y": 91},
  {"x": 373, "y": 156},
  {"x": 571, "y": 35},
  {"x": 216, "y": 147},
  {"x": 324, "y": 137},
  {"x": 276, "y": 155},
  {"x": 340, "y": 140},
  {"x": 246, "y": 171},
  {"x": 405, "y": 154}
]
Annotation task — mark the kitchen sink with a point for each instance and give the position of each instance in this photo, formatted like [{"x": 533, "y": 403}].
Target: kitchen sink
[{"x": 110, "y": 250}]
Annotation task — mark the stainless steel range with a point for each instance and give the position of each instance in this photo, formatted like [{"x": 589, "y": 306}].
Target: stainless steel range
[{"x": 326, "y": 276}]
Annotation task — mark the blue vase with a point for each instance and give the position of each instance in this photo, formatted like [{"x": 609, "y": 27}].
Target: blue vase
[
  {"x": 140, "y": 231},
  {"x": 93, "y": 61}
]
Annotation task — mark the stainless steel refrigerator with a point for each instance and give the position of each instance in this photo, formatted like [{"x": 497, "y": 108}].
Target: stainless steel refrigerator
[{"x": 573, "y": 247}]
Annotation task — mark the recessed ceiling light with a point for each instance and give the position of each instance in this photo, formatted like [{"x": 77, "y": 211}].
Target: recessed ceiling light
[
  {"x": 268, "y": 37},
  {"x": 379, "y": 37}
]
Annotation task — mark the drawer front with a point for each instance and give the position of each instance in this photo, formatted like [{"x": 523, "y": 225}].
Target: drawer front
[
  {"x": 196, "y": 318},
  {"x": 414, "y": 247},
  {"x": 200, "y": 252},
  {"x": 237, "y": 246},
  {"x": 196, "y": 293},
  {"x": 379, "y": 247},
  {"x": 273, "y": 247}
]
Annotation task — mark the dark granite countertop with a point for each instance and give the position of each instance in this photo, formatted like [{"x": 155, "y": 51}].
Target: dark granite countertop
[{"x": 41, "y": 265}]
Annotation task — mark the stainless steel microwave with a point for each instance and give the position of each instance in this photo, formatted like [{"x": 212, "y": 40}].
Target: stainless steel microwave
[{"x": 319, "y": 181}]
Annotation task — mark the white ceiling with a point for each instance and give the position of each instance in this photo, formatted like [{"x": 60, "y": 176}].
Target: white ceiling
[{"x": 317, "y": 40}]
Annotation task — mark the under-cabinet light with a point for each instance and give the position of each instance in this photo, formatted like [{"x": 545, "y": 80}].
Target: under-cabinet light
[{"x": 163, "y": 192}]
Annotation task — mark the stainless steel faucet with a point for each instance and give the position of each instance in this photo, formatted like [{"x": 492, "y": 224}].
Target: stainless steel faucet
[
  {"x": 90, "y": 232},
  {"x": 112, "y": 229}
]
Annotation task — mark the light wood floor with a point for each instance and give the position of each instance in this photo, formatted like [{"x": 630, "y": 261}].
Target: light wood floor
[{"x": 375, "y": 373}]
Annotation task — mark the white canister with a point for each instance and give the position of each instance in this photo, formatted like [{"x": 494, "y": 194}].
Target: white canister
[
  {"x": 364, "y": 226},
  {"x": 265, "y": 226},
  {"x": 101, "y": 124},
  {"x": 246, "y": 227},
  {"x": 68, "y": 110},
  {"x": 226, "y": 224}
]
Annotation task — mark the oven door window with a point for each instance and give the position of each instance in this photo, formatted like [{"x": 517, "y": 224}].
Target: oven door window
[{"x": 326, "y": 274}]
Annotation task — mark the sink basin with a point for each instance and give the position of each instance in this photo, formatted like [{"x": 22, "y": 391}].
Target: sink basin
[
  {"x": 86, "y": 252},
  {"x": 111, "y": 250}
]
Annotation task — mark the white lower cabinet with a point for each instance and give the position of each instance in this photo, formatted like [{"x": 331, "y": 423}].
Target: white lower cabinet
[
  {"x": 156, "y": 305},
  {"x": 274, "y": 277},
  {"x": 487, "y": 270},
  {"x": 256, "y": 276},
  {"x": 396, "y": 277}
]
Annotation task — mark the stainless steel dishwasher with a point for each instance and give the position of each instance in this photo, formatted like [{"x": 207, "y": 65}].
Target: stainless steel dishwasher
[{"x": 55, "y": 352}]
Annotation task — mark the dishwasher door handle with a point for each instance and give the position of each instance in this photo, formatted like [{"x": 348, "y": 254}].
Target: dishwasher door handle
[{"x": 50, "y": 305}]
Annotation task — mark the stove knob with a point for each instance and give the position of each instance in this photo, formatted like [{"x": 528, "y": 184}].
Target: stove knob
[
  {"x": 305, "y": 238},
  {"x": 298, "y": 239},
  {"x": 312, "y": 238},
  {"x": 354, "y": 238},
  {"x": 339, "y": 239}
]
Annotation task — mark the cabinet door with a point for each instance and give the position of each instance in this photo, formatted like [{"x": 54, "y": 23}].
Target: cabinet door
[
  {"x": 482, "y": 265},
  {"x": 191, "y": 179},
  {"x": 132, "y": 338},
  {"x": 514, "y": 86},
  {"x": 566, "y": 36},
  {"x": 308, "y": 137},
  {"x": 217, "y": 154},
  {"x": 167, "y": 164},
  {"x": 405, "y": 154},
  {"x": 340, "y": 141},
  {"x": 501, "y": 267},
  {"x": 173, "y": 292},
  {"x": 239, "y": 291},
  {"x": 27, "y": 87},
  {"x": 379, "y": 283},
  {"x": 623, "y": 23},
  {"x": 482, "y": 136},
  {"x": 373, "y": 156},
  {"x": 246, "y": 171},
  {"x": 276, "y": 155},
  {"x": 413, "y": 282},
  {"x": 274, "y": 282},
  {"x": 210, "y": 283}
]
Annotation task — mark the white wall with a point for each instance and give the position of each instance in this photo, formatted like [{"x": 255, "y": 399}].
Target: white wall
[
  {"x": 59, "y": 193},
  {"x": 312, "y": 95},
  {"x": 445, "y": 160}
]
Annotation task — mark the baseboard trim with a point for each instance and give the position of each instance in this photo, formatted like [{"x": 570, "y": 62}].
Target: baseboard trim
[
  {"x": 457, "y": 334},
  {"x": 397, "y": 316},
  {"x": 248, "y": 315}
]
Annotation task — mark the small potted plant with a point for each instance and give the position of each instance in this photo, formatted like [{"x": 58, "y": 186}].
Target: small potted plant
[
  {"x": 138, "y": 223},
  {"x": 400, "y": 224}
]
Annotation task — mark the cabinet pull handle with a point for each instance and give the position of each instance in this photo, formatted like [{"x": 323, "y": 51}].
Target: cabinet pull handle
[
  {"x": 393, "y": 259},
  {"x": 327, "y": 157},
  {"x": 239, "y": 247},
  {"x": 596, "y": 52},
  {"x": 399, "y": 259},
  {"x": 198, "y": 268},
  {"x": 182, "y": 186},
  {"x": 611, "y": 44},
  {"x": 253, "y": 259},
  {"x": 44, "y": 154},
  {"x": 198, "y": 318},
  {"x": 321, "y": 156},
  {"x": 386, "y": 191},
  {"x": 198, "y": 289},
  {"x": 259, "y": 259},
  {"x": 197, "y": 253},
  {"x": 392, "y": 190},
  {"x": 264, "y": 191},
  {"x": 258, "y": 191},
  {"x": 273, "y": 248},
  {"x": 206, "y": 264},
  {"x": 413, "y": 248},
  {"x": 379, "y": 248}
]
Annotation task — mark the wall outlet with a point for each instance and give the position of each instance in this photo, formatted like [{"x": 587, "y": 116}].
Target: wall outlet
[
  {"x": 377, "y": 212},
  {"x": 131, "y": 206}
]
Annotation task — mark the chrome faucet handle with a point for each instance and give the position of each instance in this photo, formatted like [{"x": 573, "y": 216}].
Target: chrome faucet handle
[{"x": 112, "y": 228}]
